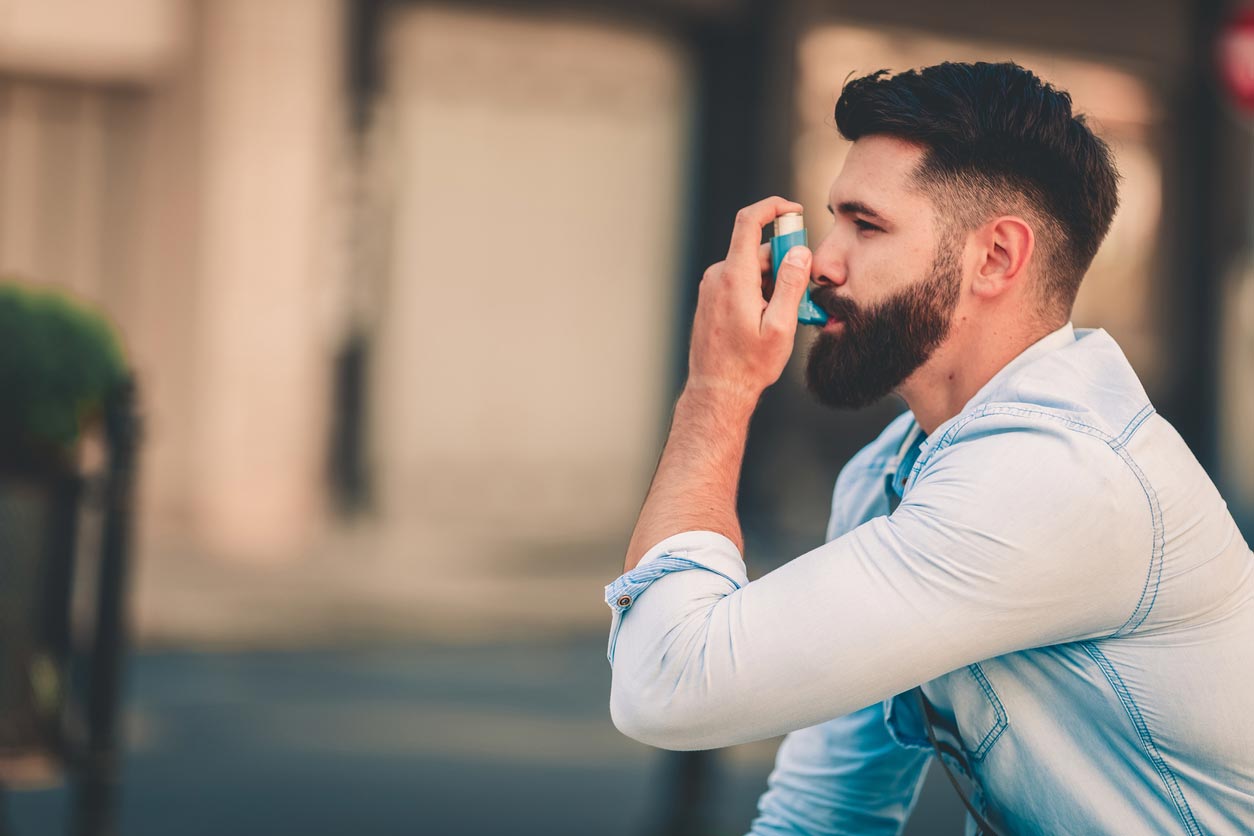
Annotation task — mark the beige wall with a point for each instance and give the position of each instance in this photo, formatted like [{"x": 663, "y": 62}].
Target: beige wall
[
  {"x": 527, "y": 322},
  {"x": 195, "y": 202},
  {"x": 271, "y": 80},
  {"x": 531, "y": 180},
  {"x": 95, "y": 40}
]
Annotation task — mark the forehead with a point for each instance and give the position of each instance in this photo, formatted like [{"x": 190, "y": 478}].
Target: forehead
[{"x": 877, "y": 171}]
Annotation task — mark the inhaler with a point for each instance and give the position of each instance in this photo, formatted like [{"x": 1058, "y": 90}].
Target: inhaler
[{"x": 790, "y": 231}]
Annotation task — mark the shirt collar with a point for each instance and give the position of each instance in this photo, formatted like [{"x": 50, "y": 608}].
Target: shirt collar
[
  {"x": 1052, "y": 341},
  {"x": 898, "y": 469}
]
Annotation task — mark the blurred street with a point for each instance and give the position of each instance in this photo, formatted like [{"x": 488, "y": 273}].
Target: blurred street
[{"x": 445, "y": 741}]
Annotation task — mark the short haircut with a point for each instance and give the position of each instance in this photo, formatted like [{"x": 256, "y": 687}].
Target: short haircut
[{"x": 998, "y": 140}]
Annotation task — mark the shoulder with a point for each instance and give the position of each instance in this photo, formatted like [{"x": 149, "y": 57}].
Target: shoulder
[
  {"x": 1037, "y": 511},
  {"x": 1057, "y": 441},
  {"x": 1038, "y": 480},
  {"x": 1001, "y": 445}
]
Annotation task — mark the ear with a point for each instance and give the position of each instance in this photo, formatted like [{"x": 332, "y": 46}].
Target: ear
[{"x": 1005, "y": 250}]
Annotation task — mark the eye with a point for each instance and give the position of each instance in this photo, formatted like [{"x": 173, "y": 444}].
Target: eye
[{"x": 865, "y": 226}]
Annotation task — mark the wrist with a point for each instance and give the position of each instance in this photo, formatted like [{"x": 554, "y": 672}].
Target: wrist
[{"x": 719, "y": 397}]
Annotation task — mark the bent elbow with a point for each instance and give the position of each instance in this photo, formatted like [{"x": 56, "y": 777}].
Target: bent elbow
[
  {"x": 647, "y": 721},
  {"x": 658, "y": 720}
]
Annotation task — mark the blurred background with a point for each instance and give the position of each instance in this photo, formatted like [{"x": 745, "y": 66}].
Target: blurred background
[{"x": 404, "y": 288}]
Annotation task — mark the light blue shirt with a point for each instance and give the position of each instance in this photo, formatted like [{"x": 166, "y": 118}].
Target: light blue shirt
[{"x": 1062, "y": 579}]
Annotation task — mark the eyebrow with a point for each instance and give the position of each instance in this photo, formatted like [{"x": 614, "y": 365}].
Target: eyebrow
[{"x": 857, "y": 207}]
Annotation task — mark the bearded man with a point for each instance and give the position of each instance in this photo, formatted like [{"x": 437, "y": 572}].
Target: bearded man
[{"x": 1028, "y": 575}]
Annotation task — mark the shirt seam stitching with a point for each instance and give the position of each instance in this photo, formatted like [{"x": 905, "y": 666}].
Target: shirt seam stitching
[
  {"x": 1133, "y": 711},
  {"x": 1118, "y": 445},
  {"x": 993, "y": 734}
]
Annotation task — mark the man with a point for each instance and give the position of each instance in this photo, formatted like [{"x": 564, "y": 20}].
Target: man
[{"x": 1028, "y": 572}]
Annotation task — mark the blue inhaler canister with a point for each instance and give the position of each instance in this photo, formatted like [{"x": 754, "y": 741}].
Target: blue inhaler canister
[{"x": 790, "y": 231}]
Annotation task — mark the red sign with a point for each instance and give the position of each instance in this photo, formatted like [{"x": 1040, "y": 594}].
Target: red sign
[{"x": 1235, "y": 54}]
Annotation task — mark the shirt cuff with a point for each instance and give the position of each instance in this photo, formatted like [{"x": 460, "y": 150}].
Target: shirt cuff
[
  {"x": 688, "y": 550},
  {"x": 706, "y": 550}
]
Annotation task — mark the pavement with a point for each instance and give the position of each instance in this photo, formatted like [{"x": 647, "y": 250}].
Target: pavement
[
  {"x": 396, "y": 681},
  {"x": 469, "y": 740},
  {"x": 367, "y": 584}
]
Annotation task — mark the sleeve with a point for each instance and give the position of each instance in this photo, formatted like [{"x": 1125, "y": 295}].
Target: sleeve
[
  {"x": 1009, "y": 537},
  {"x": 849, "y": 775},
  {"x": 703, "y": 550},
  {"x": 845, "y": 776}
]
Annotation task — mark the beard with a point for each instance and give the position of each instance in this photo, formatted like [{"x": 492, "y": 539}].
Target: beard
[{"x": 881, "y": 346}]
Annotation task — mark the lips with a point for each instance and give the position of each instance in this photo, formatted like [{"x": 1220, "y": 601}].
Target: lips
[
  {"x": 835, "y": 311},
  {"x": 836, "y": 307}
]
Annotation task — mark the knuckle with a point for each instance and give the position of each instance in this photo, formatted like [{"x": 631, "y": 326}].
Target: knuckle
[
  {"x": 773, "y": 330},
  {"x": 745, "y": 215}
]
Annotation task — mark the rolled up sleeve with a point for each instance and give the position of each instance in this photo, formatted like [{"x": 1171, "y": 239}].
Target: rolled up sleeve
[
  {"x": 989, "y": 553},
  {"x": 704, "y": 550}
]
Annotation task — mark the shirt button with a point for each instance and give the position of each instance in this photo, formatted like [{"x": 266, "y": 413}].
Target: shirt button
[{"x": 624, "y": 601}]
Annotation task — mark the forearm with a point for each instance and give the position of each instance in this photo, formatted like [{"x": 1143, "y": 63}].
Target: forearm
[{"x": 695, "y": 485}]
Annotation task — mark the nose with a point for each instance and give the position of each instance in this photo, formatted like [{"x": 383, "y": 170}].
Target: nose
[
  {"x": 826, "y": 278},
  {"x": 827, "y": 267}
]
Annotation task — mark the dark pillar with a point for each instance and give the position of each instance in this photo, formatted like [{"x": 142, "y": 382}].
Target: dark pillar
[
  {"x": 1212, "y": 177},
  {"x": 98, "y": 778},
  {"x": 740, "y": 155},
  {"x": 349, "y": 476}
]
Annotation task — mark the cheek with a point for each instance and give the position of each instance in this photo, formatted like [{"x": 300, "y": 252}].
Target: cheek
[
  {"x": 919, "y": 255},
  {"x": 879, "y": 268}
]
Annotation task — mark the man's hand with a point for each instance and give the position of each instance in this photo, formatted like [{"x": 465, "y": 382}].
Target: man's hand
[
  {"x": 740, "y": 344},
  {"x": 740, "y": 341}
]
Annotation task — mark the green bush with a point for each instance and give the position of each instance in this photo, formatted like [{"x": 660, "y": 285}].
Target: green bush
[{"x": 59, "y": 361}]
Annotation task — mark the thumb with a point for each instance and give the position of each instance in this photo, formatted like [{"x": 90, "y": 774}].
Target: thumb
[{"x": 790, "y": 283}]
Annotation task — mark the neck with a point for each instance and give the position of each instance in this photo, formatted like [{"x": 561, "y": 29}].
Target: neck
[{"x": 968, "y": 359}]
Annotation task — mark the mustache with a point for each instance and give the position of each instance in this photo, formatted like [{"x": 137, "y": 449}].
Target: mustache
[{"x": 837, "y": 307}]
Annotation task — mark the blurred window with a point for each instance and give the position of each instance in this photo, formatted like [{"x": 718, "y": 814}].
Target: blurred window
[
  {"x": 1235, "y": 463},
  {"x": 68, "y": 161},
  {"x": 526, "y": 330}
]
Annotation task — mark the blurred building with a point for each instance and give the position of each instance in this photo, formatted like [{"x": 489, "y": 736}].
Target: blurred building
[
  {"x": 176, "y": 162},
  {"x": 407, "y": 284}
]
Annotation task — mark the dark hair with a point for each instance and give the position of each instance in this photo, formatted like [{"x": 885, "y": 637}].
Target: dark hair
[{"x": 994, "y": 133}]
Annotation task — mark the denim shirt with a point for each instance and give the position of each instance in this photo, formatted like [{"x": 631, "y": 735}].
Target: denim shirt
[{"x": 1060, "y": 577}]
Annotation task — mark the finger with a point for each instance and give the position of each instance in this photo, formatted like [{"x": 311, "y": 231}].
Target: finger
[
  {"x": 790, "y": 283},
  {"x": 768, "y": 278},
  {"x": 746, "y": 235}
]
